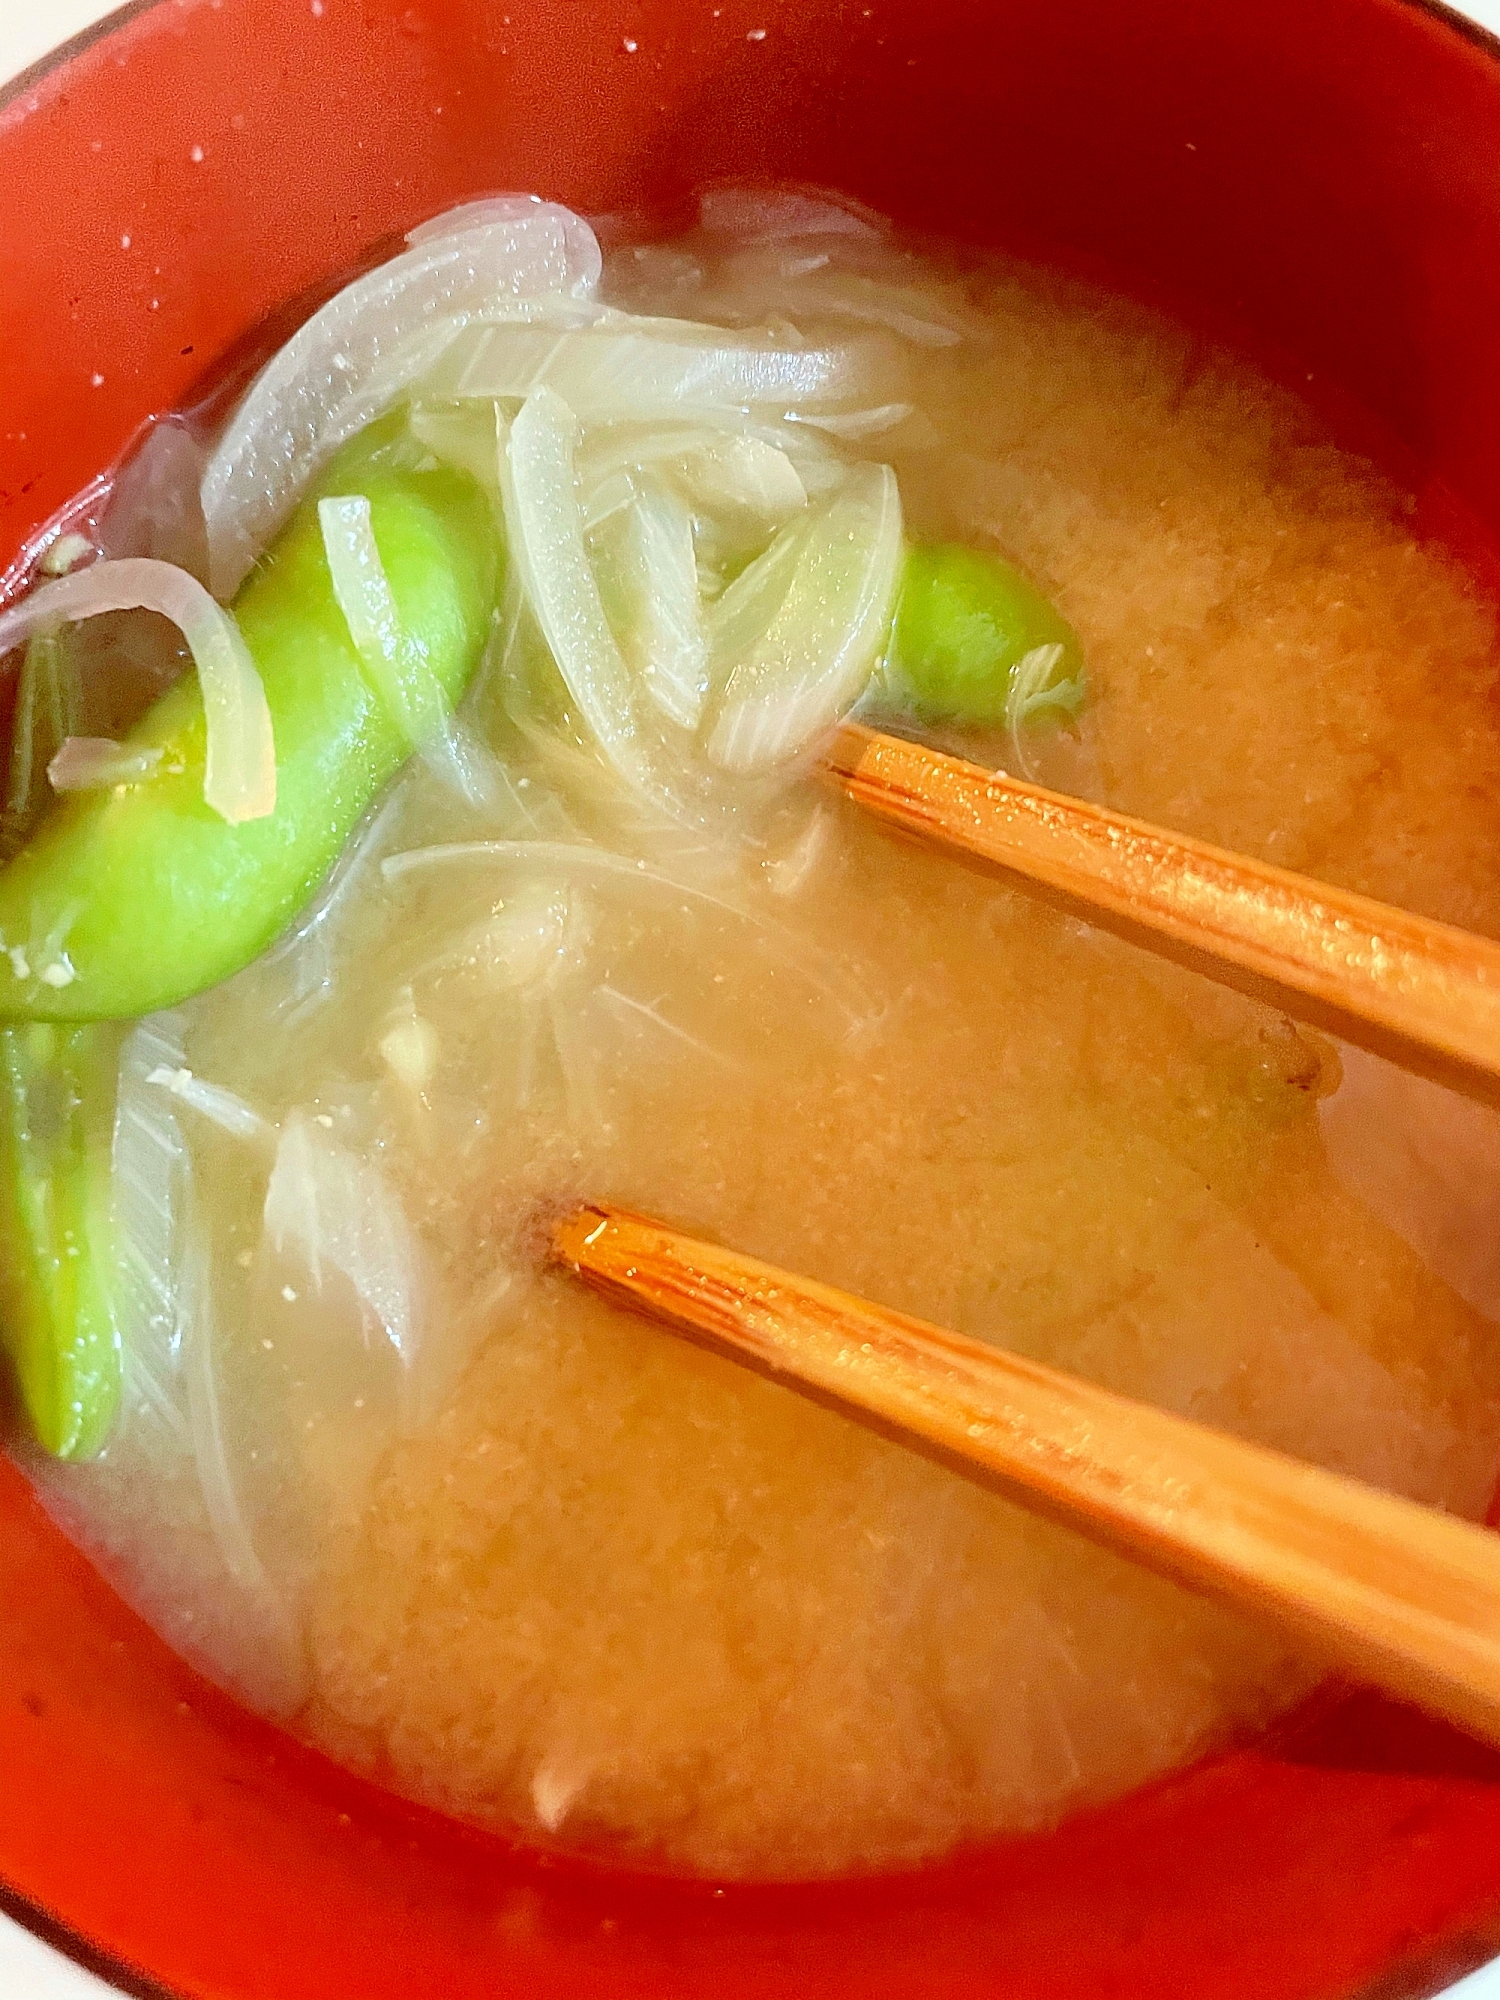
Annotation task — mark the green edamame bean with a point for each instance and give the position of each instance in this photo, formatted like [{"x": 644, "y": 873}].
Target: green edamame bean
[
  {"x": 56, "y": 1244},
  {"x": 965, "y": 621},
  {"x": 147, "y": 896},
  {"x": 134, "y": 898}
]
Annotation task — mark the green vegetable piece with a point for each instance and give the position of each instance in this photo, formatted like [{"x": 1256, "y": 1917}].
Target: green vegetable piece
[
  {"x": 133, "y": 898},
  {"x": 968, "y": 638},
  {"x": 57, "y": 1320}
]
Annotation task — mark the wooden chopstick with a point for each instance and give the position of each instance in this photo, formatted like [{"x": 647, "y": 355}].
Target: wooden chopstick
[
  {"x": 1424, "y": 994},
  {"x": 1407, "y": 1597}
]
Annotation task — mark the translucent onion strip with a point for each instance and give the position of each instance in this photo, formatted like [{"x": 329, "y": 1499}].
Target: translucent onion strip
[
  {"x": 858, "y": 423},
  {"x": 1034, "y": 690},
  {"x": 771, "y": 215},
  {"x": 239, "y": 779},
  {"x": 821, "y": 968},
  {"x": 43, "y": 718},
  {"x": 906, "y": 313},
  {"x": 744, "y": 475},
  {"x": 466, "y": 435},
  {"x": 814, "y": 286},
  {"x": 650, "y": 368},
  {"x": 148, "y": 1193},
  {"x": 409, "y": 690},
  {"x": 659, "y": 617},
  {"x": 338, "y": 1210},
  {"x": 606, "y": 499},
  {"x": 582, "y": 247},
  {"x": 224, "y": 1108},
  {"x": 412, "y": 693},
  {"x": 89, "y": 763},
  {"x": 164, "y": 1298},
  {"x": 197, "y": 1339},
  {"x": 355, "y": 357},
  {"x": 1034, "y": 687},
  {"x": 544, "y": 524},
  {"x": 740, "y": 484},
  {"x": 749, "y": 471},
  {"x": 748, "y": 605},
  {"x": 816, "y": 655}
]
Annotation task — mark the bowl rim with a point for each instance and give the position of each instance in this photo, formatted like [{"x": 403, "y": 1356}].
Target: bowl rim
[
  {"x": 1483, "y": 38},
  {"x": 1447, "y": 1963}
]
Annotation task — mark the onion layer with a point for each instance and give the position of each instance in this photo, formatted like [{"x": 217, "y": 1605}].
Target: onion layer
[
  {"x": 660, "y": 617},
  {"x": 338, "y": 1210},
  {"x": 545, "y": 527},
  {"x": 405, "y": 683},
  {"x": 643, "y": 368},
  {"x": 816, "y": 655},
  {"x": 239, "y": 779},
  {"x": 354, "y": 358},
  {"x": 90, "y": 763}
]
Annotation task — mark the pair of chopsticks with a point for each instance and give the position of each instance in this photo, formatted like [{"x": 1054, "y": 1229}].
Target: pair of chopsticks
[{"x": 1405, "y": 1596}]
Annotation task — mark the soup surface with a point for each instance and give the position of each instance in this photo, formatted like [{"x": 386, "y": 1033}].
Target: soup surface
[{"x": 537, "y": 1563}]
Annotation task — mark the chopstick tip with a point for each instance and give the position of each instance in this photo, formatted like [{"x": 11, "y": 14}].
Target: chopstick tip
[{"x": 563, "y": 1231}]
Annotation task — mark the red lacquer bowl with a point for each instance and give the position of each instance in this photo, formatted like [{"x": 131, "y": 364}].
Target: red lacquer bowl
[{"x": 1322, "y": 177}]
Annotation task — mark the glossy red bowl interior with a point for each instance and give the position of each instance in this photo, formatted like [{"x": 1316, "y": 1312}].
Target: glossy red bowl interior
[{"x": 1320, "y": 176}]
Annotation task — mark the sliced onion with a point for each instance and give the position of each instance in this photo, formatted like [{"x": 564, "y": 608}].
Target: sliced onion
[
  {"x": 743, "y": 467},
  {"x": 768, "y": 215},
  {"x": 816, "y": 286},
  {"x": 409, "y": 690},
  {"x": 907, "y": 314},
  {"x": 635, "y": 1014},
  {"x": 607, "y": 499},
  {"x": 221, "y": 1107},
  {"x": 582, "y": 244},
  {"x": 355, "y": 357},
  {"x": 523, "y": 943},
  {"x": 154, "y": 507},
  {"x": 406, "y": 684},
  {"x": 466, "y": 435},
  {"x": 734, "y": 473},
  {"x": 210, "y": 1446},
  {"x": 857, "y": 423},
  {"x": 815, "y": 657},
  {"x": 1034, "y": 688},
  {"x": 409, "y": 1048},
  {"x": 653, "y": 273},
  {"x": 338, "y": 1210},
  {"x": 544, "y": 524},
  {"x": 654, "y": 571},
  {"x": 642, "y": 368},
  {"x": 148, "y": 1197},
  {"x": 620, "y": 444},
  {"x": 563, "y": 860},
  {"x": 744, "y": 474},
  {"x": 747, "y": 607},
  {"x": 90, "y": 763},
  {"x": 44, "y": 716},
  {"x": 239, "y": 779}
]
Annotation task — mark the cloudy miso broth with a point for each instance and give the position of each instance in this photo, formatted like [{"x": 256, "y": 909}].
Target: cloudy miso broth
[{"x": 539, "y": 1564}]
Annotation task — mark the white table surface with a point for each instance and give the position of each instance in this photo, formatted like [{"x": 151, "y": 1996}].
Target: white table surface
[{"x": 28, "y": 1969}]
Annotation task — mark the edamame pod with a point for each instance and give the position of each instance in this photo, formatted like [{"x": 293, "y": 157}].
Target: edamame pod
[
  {"x": 56, "y": 1244},
  {"x": 974, "y": 641},
  {"x": 132, "y": 898}
]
